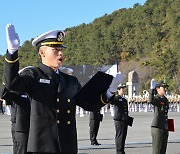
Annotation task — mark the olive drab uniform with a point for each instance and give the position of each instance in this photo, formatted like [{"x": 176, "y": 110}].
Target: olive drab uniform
[
  {"x": 121, "y": 122},
  {"x": 52, "y": 117},
  {"x": 159, "y": 126}
]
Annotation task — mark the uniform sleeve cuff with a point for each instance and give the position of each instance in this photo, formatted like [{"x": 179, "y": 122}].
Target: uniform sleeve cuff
[{"x": 11, "y": 58}]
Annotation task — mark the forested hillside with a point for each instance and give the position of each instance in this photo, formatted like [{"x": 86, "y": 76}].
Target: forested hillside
[{"x": 148, "y": 35}]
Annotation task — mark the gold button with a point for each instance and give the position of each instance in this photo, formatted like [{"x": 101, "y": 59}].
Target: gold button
[
  {"x": 58, "y": 121},
  {"x": 69, "y": 122},
  {"x": 58, "y": 100},
  {"x": 57, "y": 111},
  {"x": 68, "y": 100},
  {"x": 68, "y": 111}
]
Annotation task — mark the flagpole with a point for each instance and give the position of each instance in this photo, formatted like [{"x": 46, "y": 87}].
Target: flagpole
[{"x": 117, "y": 66}]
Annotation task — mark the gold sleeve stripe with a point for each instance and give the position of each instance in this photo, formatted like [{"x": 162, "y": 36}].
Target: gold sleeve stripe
[
  {"x": 13, "y": 61},
  {"x": 51, "y": 43},
  {"x": 102, "y": 99}
]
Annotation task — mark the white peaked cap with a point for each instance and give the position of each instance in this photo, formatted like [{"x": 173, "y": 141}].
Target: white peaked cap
[
  {"x": 121, "y": 85},
  {"x": 20, "y": 71},
  {"x": 53, "y": 34},
  {"x": 66, "y": 70}
]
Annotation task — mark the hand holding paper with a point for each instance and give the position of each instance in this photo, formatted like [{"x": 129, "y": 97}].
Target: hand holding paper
[{"x": 115, "y": 82}]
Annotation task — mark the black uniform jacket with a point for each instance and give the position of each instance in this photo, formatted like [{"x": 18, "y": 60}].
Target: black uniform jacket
[
  {"x": 52, "y": 117},
  {"x": 161, "y": 106},
  {"x": 120, "y": 108},
  {"x": 5, "y": 95},
  {"x": 20, "y": 111},
  {"x": 23, "y": 114}
]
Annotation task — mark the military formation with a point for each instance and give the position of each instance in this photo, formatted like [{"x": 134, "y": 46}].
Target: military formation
[
  {"x": 44, "y": 101},
  {"x": 134, "y": 105}
]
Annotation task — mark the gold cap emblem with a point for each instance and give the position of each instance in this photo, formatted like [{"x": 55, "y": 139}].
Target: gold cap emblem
[{"x": 60, "y": 36}]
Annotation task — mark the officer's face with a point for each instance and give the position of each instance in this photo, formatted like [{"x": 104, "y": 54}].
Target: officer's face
[
  {"x": 51, "y": 56},
  {"x": 161, "y": 91},
  {"x": 120, "y": 91}
]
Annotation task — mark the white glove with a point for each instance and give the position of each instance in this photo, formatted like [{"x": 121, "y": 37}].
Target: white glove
[
  {"x": 12, "y": 38},
  {"x": 153, "y": 84},
  {"x": 115, "y": 82}
]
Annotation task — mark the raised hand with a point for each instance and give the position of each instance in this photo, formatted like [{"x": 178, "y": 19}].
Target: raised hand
[
  {"x": 153, "y": 84},
  {"x": 12, "y": 38}
]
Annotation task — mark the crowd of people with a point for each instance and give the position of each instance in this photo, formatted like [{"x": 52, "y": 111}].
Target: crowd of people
[{"x": 134, "y": 105}]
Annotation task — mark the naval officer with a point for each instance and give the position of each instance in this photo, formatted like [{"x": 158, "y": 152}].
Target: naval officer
[
  {"x": 51, "y": 92},
  {"x": 95, "y": 117},
  {"x": 120, "y": 119},
  {"x": 19, "y": 119}
]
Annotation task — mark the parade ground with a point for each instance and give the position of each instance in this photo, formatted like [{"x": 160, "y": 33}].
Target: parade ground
[{"x": 138, "y": 139}]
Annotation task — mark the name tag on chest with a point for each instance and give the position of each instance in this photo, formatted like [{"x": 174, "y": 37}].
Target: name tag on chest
[
  {"x": 44, "y": 81},
  {"x": 24, "y": 96}
]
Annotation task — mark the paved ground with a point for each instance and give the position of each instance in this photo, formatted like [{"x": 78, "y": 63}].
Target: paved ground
[{"x": 138, "y": 139}]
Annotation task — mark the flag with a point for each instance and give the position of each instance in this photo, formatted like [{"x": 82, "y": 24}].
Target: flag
[{"x": 113, "y": 70}]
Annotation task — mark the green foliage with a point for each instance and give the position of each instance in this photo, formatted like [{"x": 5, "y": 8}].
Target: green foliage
[
  {"x": 28, "y": 55},
  {"x": 149, "y": 34}
]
